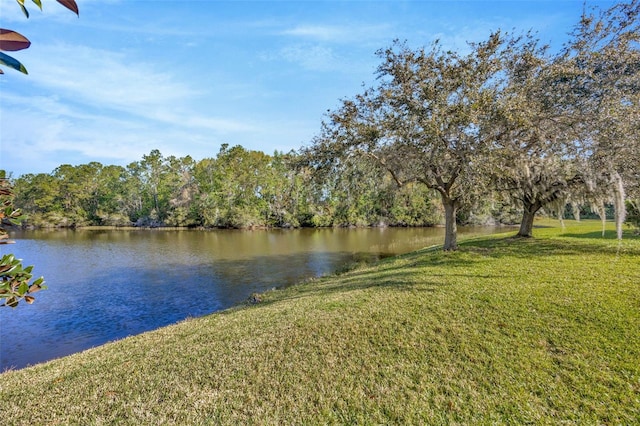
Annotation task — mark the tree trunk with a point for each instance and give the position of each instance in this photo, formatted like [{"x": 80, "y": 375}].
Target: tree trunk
[
  {"x": 526, "y": 226},
  {"x": 450, "y": 226}
]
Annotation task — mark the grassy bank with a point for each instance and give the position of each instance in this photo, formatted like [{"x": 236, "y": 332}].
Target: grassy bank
[{"x": 543, "y": 330}]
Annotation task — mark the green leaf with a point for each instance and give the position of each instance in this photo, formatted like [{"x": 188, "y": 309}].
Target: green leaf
[
  {"x": 38, "y": 3},
  {"x": 12, "y": 63},
  {"x": 24, "y": 9}
]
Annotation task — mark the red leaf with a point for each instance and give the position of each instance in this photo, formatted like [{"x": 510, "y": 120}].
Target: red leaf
[
  {"x": 12, "y": 41},
  {"x": 70, "y": 4}
]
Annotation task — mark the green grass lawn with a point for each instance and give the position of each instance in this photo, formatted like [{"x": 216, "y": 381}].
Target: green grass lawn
[{"x": 503, "y": 331}]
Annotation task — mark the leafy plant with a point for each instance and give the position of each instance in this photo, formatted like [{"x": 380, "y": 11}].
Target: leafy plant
[
  {"x": 14, "y": 281},
  {"x": 11, "y": 41},
  {"x": 14, "y": 278}
]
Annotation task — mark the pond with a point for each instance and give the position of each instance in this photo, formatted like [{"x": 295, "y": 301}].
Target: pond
[{"x": 109, "y": 284}]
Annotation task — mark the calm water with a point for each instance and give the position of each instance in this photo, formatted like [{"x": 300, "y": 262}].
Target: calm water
[{"x": 106, "y": 285}]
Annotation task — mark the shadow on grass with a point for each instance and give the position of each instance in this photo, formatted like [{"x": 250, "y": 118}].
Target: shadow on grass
[
  {"x": 400, "y": 274},
  {"x": 608, "y": 235},
  {"x": 389, "y": 274},
  {"x": 563, "y": 244}
]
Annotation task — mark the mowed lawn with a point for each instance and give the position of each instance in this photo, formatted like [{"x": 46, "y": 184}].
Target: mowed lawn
[{"x": 503, "y": 331}]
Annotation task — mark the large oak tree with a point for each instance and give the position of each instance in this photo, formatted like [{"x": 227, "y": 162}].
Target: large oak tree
[
  {"x": 424, "y": 122},
  {"x": 604, "y": 56},
  {"x": 568, "y": 123}
]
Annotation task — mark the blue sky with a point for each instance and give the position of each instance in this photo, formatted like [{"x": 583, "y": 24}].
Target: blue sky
[{"x": 186, "y": 76}]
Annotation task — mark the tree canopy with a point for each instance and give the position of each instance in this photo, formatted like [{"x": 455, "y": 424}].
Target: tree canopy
[
  {"x": 508, "y": 120},
  {"x": 424, "y": 123}
]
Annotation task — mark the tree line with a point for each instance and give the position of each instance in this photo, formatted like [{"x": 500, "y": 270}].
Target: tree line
[{"x": 238, "y": 188}]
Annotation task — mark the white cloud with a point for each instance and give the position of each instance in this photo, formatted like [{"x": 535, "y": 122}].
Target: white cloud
[
  {"x": 320, "y": 32},
  {"x": 319, "y": 58},
  {"x": 104, "y": 78},
  {"x": 354, "y": 32},
  {"x": 109, "y": 82},
  {"x": 40, "y": 128}
]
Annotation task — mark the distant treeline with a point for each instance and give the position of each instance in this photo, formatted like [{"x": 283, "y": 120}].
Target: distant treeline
[{"x": 238, "y": 188}]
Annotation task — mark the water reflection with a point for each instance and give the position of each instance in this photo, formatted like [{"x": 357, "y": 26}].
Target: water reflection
[{"x": 106, "y": 285}]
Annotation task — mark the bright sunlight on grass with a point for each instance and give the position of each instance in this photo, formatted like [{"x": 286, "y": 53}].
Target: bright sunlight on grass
[{"x": 505, "y": 331}]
